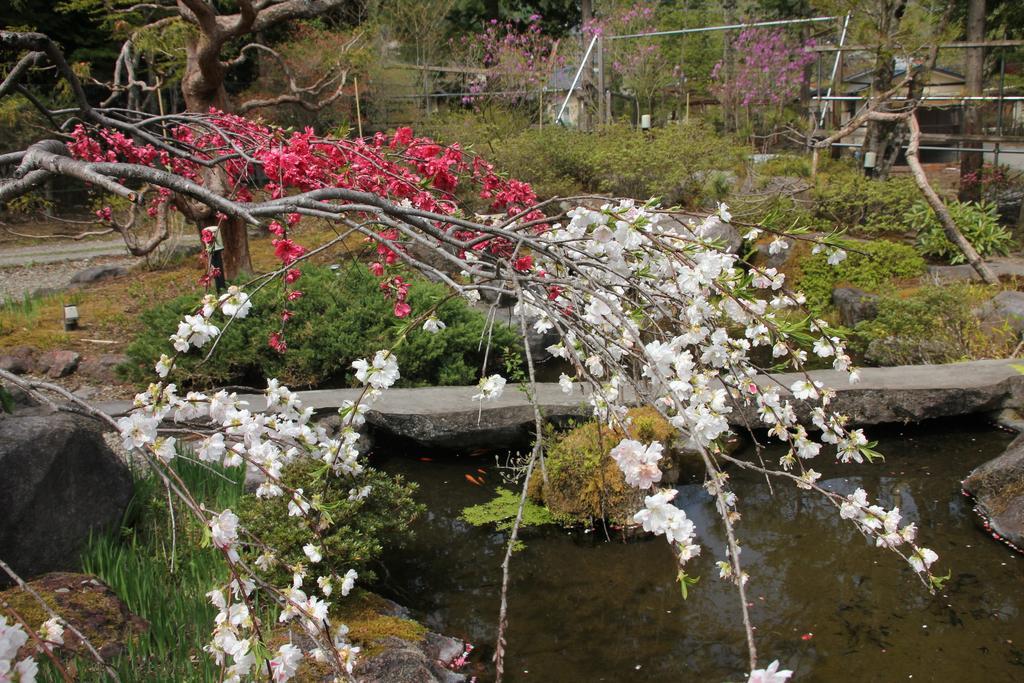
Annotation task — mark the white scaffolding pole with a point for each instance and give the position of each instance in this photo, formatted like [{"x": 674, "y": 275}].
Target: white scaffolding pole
[
  {"x": 835, "y": 69},
  {"x": 729, "y": 27},
  {"x": 579, "y": 72}
]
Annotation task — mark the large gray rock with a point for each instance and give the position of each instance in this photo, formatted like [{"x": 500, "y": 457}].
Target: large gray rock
[
  {"x": 59, "y": 482},
  {"x": 447, "y": 416},
  {"x": 998, "y": 490},
  {"x": 422, "y": 662},
  {"x": 1005, "y": 307},
  {"x": 97, "y": 273},
  {"x": 538, "y": 342},
  {"x": 395, "y": 649},
  {"x": 779, "y": 260},
  {"x": 1002, "y": 266},
  {"x": 458, "y": 428},
  {"x": 912, "y": 393},
  {"x": 854, "y": 305}
]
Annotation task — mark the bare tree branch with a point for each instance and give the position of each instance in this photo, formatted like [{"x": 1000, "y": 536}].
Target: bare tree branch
[{"x": 953, "y": 234}]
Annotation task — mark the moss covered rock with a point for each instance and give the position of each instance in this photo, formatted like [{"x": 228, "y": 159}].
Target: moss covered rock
[
  {"x": 393, "y": 646},
  {"x": 584, "y": 483},
  {"x": 86, "y": 603}
]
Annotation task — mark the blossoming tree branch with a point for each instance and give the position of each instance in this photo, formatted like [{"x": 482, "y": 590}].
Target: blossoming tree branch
[{"x": 648, "y": 311}]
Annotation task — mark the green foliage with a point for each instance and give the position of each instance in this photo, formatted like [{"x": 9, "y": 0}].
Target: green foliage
[
  {"x": 685, "y": 164},
  {"x": 786, "y": 165},
  {"x": 6, "y": 400},
  {"x": 672, "y": 163},
  {"x": 852, "y": 201},
  {"x": 20, "y": 124},
  {"x": 157, "y": 567},
  {"x": 502, "y": 512},
  {"x": 871, "y": 266},
  {"x": 341, "y": 317},
  {"x": 978, "y": 222},
  {"x": 780, "y": 213},
  {"x": 934, "y": 324},
  {"x": 353, "y": 532}
]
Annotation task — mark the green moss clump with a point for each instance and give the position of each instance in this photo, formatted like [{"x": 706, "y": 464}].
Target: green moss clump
[
  {"x": 871, "y": 266},
  {"x": 87, "y": 604},
  {"x": 352, "y": 533},
  {"x": 370, "y": 625},
  {"x": 583, "y": 482}
]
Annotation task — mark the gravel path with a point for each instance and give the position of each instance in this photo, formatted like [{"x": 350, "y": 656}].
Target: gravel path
[
  {"x": 54, "y": 252},
  {"x": 17, "y": 281},
  {"x": 51, "y": 265}
]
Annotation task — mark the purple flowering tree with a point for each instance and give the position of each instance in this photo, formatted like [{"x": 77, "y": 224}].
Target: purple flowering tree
[
  {"x": 644, "y": 67},
  {"x": 767, "y": 75},
  {"x": 519, "y": 58}
]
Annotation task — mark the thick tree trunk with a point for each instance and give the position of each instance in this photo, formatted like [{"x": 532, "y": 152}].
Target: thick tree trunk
[
  {"x": 203, "y": 83},
  {"x": 203, "y": 89},
  {"x": 971, "y": 162}
]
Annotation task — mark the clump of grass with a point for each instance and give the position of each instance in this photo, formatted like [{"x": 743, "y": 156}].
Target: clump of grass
[
  {"x": 158, "y": 567},
  {"x": 19, "y": 315}
]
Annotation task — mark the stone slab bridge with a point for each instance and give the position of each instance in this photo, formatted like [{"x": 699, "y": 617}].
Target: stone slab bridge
[{"x": 447, "y": 417}]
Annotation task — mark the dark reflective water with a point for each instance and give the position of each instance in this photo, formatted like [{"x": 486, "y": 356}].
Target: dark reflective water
[{"x": 826, "y": 603}]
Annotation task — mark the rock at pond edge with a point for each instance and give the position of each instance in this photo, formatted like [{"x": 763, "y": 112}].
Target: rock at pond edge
[{"x": 997, "y": 487}]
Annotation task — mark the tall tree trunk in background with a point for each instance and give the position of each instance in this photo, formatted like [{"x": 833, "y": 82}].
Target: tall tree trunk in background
[
  {"x": 203, "y": 83},
  {"x": 591, "y": 98},
  {"x": 884, "y": 137},
  {"x": 730, "y": 107},
  {"x": 971, "y": 162},
  {"x": 203, "y": 87}
]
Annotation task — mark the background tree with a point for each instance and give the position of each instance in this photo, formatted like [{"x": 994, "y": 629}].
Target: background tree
[
  {"x": 899, "y": 30},
  {"x": 974, "y": 75},
  {"x": 208, "y": 32}
]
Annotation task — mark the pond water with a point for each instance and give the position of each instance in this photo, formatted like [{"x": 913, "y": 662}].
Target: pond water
[{"x": 825, "y": 602}]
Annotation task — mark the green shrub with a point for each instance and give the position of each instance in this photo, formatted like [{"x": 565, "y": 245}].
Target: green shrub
[
  {"x": 674, "y": 163},
  {"x": 852, "y": 201},
  {"x": 780, "y": 213},
  {"x": 686, "y": 164},
  {"x": 354, "y": 531},
  {"x": 785, "y": 165},
  {"x": 978, "y": 222},
  {"x": 341, "y": 317},
  {"x": 868, "y": 265},
  {"x": 934, "y": 324},
  {"x": 552, "y": 160}
]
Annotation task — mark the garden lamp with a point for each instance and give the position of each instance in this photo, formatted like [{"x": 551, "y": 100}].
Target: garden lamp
[{"x": 70, "y": 317}]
